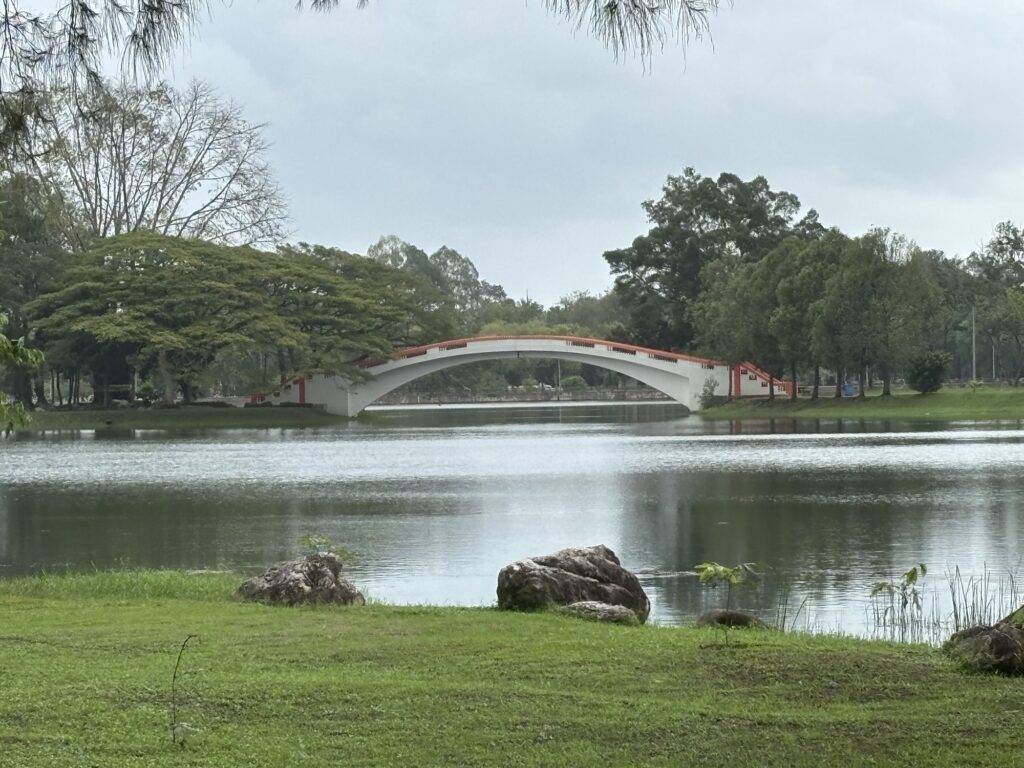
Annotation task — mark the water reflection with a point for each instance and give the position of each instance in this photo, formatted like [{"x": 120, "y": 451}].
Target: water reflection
[{"x": 436, "y": 501}]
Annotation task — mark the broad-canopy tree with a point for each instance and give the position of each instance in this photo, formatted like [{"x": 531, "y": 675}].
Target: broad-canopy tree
[{"x": 168, "y": 307}]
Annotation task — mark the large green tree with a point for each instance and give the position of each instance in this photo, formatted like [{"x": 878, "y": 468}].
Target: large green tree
[
  {"x": 697, "y": 221},
  {"x": 33, "y": 258},
  {"x": 169, "y": 307}
]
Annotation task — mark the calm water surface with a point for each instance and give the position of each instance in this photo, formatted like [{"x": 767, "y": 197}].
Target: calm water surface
[{"x": 435, "y": 501}]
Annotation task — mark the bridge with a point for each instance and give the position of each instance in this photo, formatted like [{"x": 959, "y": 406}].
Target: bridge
[{"x": 681, "y": 377}]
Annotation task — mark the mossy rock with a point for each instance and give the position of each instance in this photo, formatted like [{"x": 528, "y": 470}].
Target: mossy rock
[{"x": 998, "y": 648}]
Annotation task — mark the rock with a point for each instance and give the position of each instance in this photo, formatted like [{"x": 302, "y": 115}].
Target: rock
[
  {"x": 998, "y": 648},
  {"x": 728, "y": 617},
  {"x": 590, "y": 609},
  {"x": 579, "y": 574},
  {"x": 310, "y": 579}
]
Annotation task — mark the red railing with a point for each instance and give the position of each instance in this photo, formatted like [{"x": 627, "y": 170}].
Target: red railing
[
  {"x": 767, "y": 377},
  {"x": 573, "y": 341}
]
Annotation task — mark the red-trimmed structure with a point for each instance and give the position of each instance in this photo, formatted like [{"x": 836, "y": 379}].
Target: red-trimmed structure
[{"x": 680, "y": 376}]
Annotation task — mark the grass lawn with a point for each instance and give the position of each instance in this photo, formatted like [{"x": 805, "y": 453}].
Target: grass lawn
[
  {"x": 86, "y": 664},
  {"x": 945, "y": 405}
]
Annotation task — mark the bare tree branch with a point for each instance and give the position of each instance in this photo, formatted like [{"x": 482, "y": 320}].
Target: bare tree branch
[{"x": 184, "y": 163}]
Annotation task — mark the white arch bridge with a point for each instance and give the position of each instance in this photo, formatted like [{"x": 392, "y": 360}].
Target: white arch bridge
[{"x": 681, "y": 377}]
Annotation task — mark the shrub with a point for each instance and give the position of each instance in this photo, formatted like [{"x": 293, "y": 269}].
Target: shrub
[
  {"x": 707, "y": 394},
  {"x": 928, "y": 370},
  {"x": 574, "y": 383}
]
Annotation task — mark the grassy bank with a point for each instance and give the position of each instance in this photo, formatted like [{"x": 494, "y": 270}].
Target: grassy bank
[
  {"x": 186, "y": 417},
  {"x": 945, "y": 405},
  {"x": 86, "y": 664}
]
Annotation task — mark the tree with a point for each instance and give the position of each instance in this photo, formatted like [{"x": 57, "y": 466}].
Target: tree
[
  {"x": 33, "y": 259},
  {"x": 184, "y": 163},
  {"x": 350, "y": 306},
  {"x": 696, "y": 221},
  {"x": 721, "y": 314},
  {"x": 15, "y": 353},
  {"x": 928, "y": 370},
  {"x": 877, "y": 307},
  {"x": 598, "y": 316},
  {"x": 800, "y": 282},
  {"x": 459, "y": 276},
  {"x": 163, "y": 306}
]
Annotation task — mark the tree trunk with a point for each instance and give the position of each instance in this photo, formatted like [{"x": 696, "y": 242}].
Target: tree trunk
[
  {"x": 166, "y": 378},
  {"x": 39, "y": 385},
  {"x": 283, "y": 364},
  {"x": 886, "y": 382},
  {"x": 56, "y": 385},
  {"x": 839, "y": 382},
  {"x": 861, "y": 376},
  {"x": 792, "y": 370},
  {"x": 771, "y": 388},
  {"x": 21, "y": 386},
  {"x": 817, "y": 382}
]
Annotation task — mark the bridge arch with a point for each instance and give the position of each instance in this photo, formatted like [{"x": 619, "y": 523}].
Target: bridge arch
[{"x": 681, "y": 377}]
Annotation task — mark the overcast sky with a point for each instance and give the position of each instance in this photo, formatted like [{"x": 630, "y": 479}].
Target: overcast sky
[{"x": 493, "y": 128}]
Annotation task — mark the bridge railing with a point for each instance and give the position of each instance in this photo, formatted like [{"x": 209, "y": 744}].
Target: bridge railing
[
  {"x": 572, "y": 341},
  {"x": 765, "y": 377}
]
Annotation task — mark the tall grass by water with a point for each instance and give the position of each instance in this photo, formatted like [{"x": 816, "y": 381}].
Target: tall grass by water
[{"x": 936, "y": 611}]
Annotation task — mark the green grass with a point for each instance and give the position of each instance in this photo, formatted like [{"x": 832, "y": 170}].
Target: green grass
[
  {"x": 188, "y": 417},
  {"x": 86, "y": 663},
  {"x": 1004, "y": 404}
]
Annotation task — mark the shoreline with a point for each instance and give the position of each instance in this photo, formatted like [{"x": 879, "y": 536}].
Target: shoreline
[
  {"x": 949, "y": 405},
  {"x": 1003, "y": 404}
]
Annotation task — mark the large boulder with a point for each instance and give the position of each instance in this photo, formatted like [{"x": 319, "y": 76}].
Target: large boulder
[
  {"x": 570, "y": 576},
  {"x": 311, "y": 579},
  {"x": 998, "y": 648}
]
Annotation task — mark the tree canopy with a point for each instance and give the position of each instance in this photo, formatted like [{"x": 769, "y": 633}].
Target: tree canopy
[{"x": 168, "y": 307}]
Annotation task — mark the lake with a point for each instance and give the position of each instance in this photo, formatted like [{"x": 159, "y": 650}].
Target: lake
[{"x": 435, "y": 500}]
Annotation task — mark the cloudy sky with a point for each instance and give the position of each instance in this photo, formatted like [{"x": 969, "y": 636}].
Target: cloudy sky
[{"x": 495, "y": 129}]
